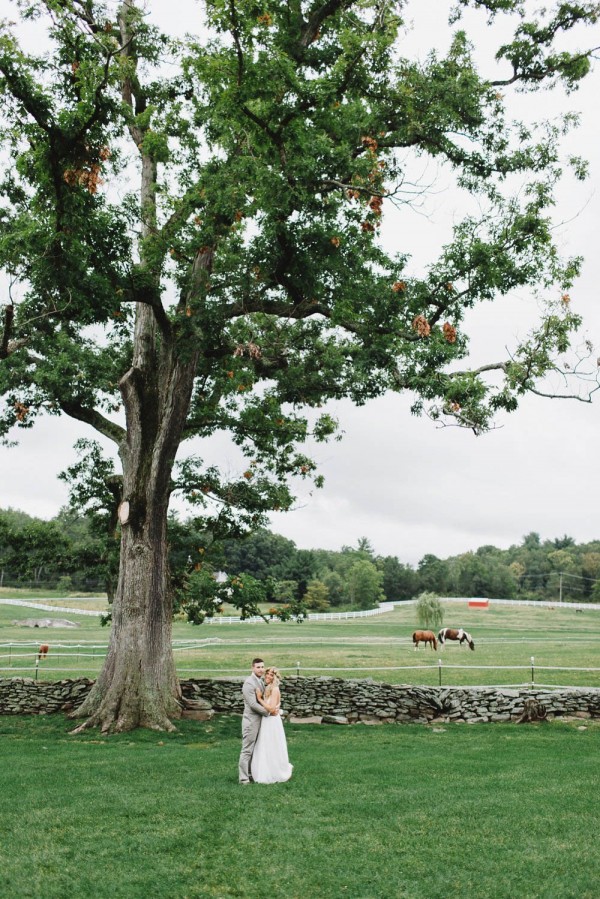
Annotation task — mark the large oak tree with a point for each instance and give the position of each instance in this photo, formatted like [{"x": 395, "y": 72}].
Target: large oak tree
[{"x": 243, "y": 282}]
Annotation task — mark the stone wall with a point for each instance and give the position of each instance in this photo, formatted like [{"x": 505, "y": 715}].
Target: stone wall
[
  {"x": 329, "y": 700},
  {"x": 24, "y": 695},
  {"x": 339, "y": 701}
]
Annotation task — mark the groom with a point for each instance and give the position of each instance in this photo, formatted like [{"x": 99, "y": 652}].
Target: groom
[{"x": 253, "y": 711}]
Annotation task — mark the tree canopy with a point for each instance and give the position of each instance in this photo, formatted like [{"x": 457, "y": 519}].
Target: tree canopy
[{"x": 243, "y": 283}]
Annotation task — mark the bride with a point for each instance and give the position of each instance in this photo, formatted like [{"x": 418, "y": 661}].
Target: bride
[{"x": 270, "y": 762}]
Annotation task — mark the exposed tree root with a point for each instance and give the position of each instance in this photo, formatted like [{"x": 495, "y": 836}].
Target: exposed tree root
[
  {"x": 533, "y": 710},
  {"x": 123, "y": 709}
]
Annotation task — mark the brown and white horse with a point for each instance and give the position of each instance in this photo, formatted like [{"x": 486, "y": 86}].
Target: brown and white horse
[
  {"x": 424, "y": 637},
  {"x": 453, "y": 633}
]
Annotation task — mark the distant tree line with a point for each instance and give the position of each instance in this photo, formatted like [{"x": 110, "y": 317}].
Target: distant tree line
[
  {"x": 80, "y": 552},
  {"x": 62, "y": 553},
  {"x": 534, "y": 569}
]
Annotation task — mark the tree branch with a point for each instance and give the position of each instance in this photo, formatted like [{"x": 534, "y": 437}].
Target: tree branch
[
  {"x": 311, "y": 28},
  {"x": 492, "y": 366},
  {"x": 97, "y": 421},
  {"x": 130, "y": 85},
  {"x": 35, "y": 103},
  {"x": 9, "y": 314},
  {"x": 162, "y": 319},
  {"x": 565, "y": 396},
  {"x": 543, "y": 72},
  {"x": 148, "y": 295},
  {"x": 85, "y": 15},
  {"x": 303, "y": 308},
  {"x": 92, "y": 119},
  {"x": 235, "y": 33},
  {"x": 8, "y": 346}
]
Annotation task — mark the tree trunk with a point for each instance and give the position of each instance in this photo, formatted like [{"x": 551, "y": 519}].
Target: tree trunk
[{"x": 138, "y": 685}]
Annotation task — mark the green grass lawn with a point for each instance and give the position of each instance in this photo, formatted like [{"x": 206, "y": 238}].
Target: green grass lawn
[
  {"x": 380, "y": 647},
  {"x": 370, "y": 813}
]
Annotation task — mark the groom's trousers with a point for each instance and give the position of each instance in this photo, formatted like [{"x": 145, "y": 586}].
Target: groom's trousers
[{"x": 250, "y": 729}]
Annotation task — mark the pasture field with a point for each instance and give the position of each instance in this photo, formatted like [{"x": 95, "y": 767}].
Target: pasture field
[
  {"x": 55, "y": 595},
  {"x": 390, "y": 812},
  {"x": 380, "y": 647}
]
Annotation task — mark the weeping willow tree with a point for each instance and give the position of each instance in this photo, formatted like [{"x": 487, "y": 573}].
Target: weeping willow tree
[
  {"x": 191, "y": 232},
  {"x": 429, "y": 610}
]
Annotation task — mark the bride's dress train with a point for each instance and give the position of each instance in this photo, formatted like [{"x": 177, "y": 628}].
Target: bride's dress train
[{"x": 270, "y": 763}]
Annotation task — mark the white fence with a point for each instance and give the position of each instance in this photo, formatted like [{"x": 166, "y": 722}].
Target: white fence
[
  {"x": 217, "y": 619},
  {"x": 313, "y": 616},
  {"x": 382, "y": 609},
  {"x": 90, "y": 658}
]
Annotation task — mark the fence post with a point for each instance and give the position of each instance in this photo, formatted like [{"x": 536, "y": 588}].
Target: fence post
[
  {"x": 37, "y": 667},
  {"x": 440, "y": 672},
  {"x": 297, "y": 669},
  {"x": 532, "y": 672}
]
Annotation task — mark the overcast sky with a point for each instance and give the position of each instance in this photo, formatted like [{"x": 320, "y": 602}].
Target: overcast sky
[{"x": 411, "y": 487}]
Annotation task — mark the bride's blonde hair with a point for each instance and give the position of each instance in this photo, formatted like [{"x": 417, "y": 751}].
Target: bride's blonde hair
[{"x": 276, "y": 674}]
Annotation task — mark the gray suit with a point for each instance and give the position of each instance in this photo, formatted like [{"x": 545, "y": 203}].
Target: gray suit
[{"x": 253, "y": 712}]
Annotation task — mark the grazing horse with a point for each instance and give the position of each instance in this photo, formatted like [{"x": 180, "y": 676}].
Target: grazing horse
[
  {"x": 43, "y": 651},
  {"x": 453, "y": 633},
  {"x": 424, "y": 637}
]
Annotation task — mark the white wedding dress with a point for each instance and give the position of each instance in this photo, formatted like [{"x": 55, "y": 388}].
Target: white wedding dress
[{"x": 270, "y": 763}]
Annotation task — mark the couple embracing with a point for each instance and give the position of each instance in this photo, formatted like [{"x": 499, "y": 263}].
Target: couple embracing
[{"x": 264, "y": 757}]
